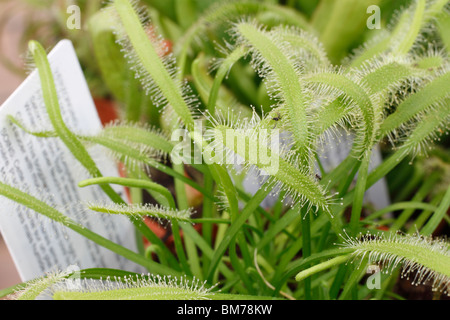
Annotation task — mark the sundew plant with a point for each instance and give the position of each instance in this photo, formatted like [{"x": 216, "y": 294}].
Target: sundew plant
[{"x": 214, "y": 94}]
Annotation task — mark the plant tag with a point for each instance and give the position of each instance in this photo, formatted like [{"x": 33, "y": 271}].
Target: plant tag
[{"x": 47, "y": 170}]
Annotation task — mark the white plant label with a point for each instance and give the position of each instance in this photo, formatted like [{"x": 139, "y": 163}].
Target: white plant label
[{"x": 46, "y": 169}]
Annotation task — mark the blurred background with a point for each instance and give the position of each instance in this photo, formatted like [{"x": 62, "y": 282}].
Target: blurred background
[{"x": 9, "y": 46}]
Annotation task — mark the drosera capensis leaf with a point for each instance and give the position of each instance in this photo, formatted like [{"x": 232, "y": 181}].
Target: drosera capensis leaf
[
  {"x": 53, "y": 109},
  {"x": 299, "y": 185},
  {"x": 70, "y": 140},
  {"x": 146, "y": 139},
  {"x": 351, "y": 89},
  {"x": 167, "y": 200},
  {"x": 402, "y": 34},
  {"x": 137, "y": 133},
  {"x": 140, "y": 210},
  {"x": 40, "y": 134},
  {"x": 320, "y": 267},
  {"x": 388, "y": 72},
  {"x": 156, "y": 73},
  {"x": 283, "y": 78},
  {"x": 427, "y": 258},
  {"x": 412, "y": 32},
  {"x": 36, "y": 287},
  {"x": 430, "y": 127},
  {"x": 159, "y": 76}
]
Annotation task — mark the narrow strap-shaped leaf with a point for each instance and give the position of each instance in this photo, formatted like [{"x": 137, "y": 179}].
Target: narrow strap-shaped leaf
[
  {"x": 207, "y": 87},
  {"x": 438, "y": 215},
  {"x": 221, "y": 73},
  {"x": 359, "y": 95},
  {"x": 415, "y": 103},
  {"x": 378, "y": 78},
  {"x": 360, "y": 190},
  {"x": 67, "y": 137},
  {"x": 413, "y": 31},
  {"x": 304, "y": 41},
  {"x": 107, "y": 53},
  {"x": 235, "y": 228},
  {"x": 232, "y": 10},
  {"x": 285, "y": 81},
  {"x": 429, "y": 258},
  {"x": 388, "y": 75},
  {"x": 298, "y": 184},
  {"x": 54, "y": 113},
  {"x": 126, "y": 153}
]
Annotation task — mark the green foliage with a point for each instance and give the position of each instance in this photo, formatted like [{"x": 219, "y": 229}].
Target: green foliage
[{"x": 392, "y": 91}]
